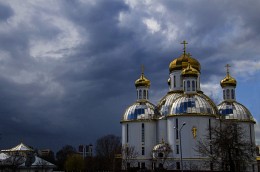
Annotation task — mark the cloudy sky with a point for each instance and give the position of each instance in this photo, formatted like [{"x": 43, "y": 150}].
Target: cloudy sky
[{"x": 67, "y": 67}]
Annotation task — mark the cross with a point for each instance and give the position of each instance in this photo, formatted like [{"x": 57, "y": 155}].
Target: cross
[
  {"x": 194, "y": 132},
  {"x": 142, "y": 68},
  {"x": 184, "y": 46},
  {"x": 162, "y": 140},
  {"x": 227, "y": 66}
]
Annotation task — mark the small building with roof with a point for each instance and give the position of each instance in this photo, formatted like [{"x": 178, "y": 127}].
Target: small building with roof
[
  {"x": 181, "y": 119},
  {"x": 23, "y": 158}
]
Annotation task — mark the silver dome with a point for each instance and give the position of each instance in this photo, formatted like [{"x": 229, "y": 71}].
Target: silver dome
[
  {"x": 234, "y": 110},
  {"x": 161, "y": 147},
  {"x": 193, "y": 104},
  {"x": 166, "y": 102},
  {"x": 140, "y": 110},
  {"x": 161, "y": 150}
]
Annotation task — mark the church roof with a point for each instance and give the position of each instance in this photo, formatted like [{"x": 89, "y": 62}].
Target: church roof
[
  {"x": 234, "y": 110},
  {"x": 3, "y": 156},
  {"x": 228, "y": 80},
  {"x": 142, "y": 81},
  {"x": 165, "y": 104},
  {"x": 189, "y": 71},
  {"x": 140, "y": 110},
  {"x": 194, "y": 104},
  {"x": 20, "y": 147},
  {"x": 40, "y": 162},
  {"x": 162, "y": 147}
]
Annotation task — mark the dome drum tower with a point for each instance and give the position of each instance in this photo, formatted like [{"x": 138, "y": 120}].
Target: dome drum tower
[
  {"x": 231, "y": 110},
  {"x": 139, "y": 125}
]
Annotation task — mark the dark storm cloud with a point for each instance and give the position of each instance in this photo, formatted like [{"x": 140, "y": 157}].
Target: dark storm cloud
[
  {"x": 86, "y": 78},
  {"x": 67, "y": 68},
  {"x": 5, "y": 12},
  {"x": 216, "y": 31}
]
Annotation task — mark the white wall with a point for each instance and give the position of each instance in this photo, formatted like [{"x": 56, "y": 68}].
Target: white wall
[
  {"x": 189, "y": 142},
  {"x": 161, "y": 130},
  {"x": 135, "y": 139}
]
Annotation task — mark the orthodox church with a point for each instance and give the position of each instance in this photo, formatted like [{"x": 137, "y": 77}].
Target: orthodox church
[{"x": 171, "y": 130}]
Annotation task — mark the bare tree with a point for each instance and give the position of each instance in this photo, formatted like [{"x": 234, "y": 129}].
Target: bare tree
[
  {"x": 227, "y": 147},
  {"x": 129, "y": 155},
  {"x": 62, "y": 155},
  {"x": 106, "y": 149}
]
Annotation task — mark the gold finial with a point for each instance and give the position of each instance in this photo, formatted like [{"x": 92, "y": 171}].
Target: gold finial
[
  {"x": 227, "y": 66},
  {"x": 188, "y": 65},
  {"x": 184, "y": 46},
  {"x": 228, "y": 80},
  {"x": 142, "y": 81}
]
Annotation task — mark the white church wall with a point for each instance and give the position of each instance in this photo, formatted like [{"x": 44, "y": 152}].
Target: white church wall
[
  {"x": 170, "y": 133},
  {"x": 195, "y": 129},
  {"x": 123, "y": 133},
  {"x": 143, "y": 146},
  {"x": 161, "y": 130},
  {"x": 150, "y": 138},
  {"x": 248, "y": 131}
]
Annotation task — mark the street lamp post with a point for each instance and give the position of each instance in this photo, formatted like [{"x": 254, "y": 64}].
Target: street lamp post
[
  {"x": 184, "y": 123},
  {"x": 179, "y": 133}
]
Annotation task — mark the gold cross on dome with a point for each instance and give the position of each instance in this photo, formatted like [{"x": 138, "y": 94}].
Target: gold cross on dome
[
  {"x": 142, "y": 69},
  {"x": 227, "y": 66},
  {"x": 184, "y": 46}
]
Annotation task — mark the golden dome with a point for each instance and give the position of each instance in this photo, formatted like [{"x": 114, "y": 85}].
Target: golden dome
[
  {"x": 190, "y": 71},
  {"x": 142, "y": 81},
  {"x": 182, "y": 63},
  {"x": 228, "y": 80}
]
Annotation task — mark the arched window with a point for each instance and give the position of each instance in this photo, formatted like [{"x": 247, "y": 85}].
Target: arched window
[
  {"x": 144, "y": 94},
  {"x": 177, "y": 128},
  {"x": 174, "y": 81},
  {"x": 140, "y": 94},
  {"x": 188, "y": 85},
  {"x": 160, "y": 155},
  {"x": 198, "y": 83},
  {"x": 193, "y": 85},
  {"x": 127, "y": 132},
  {"x": 233, "y": 94},
  {"x": 224, "y": 95},
  {"x": 142, "y": 132},
  {"x": 228, "y": 94},
  {"x": 184, "y": 85}
]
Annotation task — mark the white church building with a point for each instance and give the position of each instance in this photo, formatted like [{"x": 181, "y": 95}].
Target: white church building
[{"x": 180, "y": 119}]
